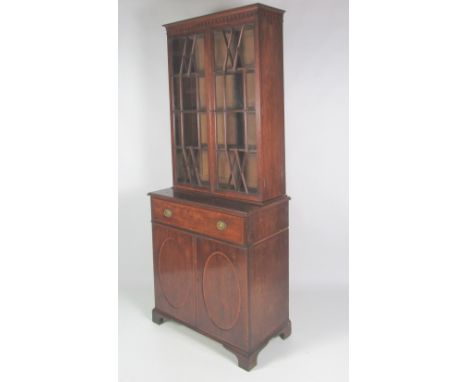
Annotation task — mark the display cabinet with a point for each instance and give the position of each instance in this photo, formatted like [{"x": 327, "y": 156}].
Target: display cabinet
[
  {"x": 226, "y": 86},
  {"x": 220, "y": 234}
]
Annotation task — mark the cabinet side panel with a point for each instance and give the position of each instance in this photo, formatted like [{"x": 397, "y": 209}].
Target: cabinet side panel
[
  {"x": 269, "y": 220},
  {"x": 269, "y": 287},
  {"x": 272, "y": 105}
]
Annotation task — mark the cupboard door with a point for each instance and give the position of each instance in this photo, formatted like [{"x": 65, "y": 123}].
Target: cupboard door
[
  {"x": 174, "y": 271},
  {"x": 189, "y": 111},
  {"x": 222, "y": 283},
  {"x": 235, "y": 109}
]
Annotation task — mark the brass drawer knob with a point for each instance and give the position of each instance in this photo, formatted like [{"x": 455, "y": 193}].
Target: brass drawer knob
[
  {"x": 221, "y": 226},
  {"x": 167, "y": 213}
]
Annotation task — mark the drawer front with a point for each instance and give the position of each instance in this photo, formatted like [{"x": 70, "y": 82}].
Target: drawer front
[{"x": 215, "y": 224}]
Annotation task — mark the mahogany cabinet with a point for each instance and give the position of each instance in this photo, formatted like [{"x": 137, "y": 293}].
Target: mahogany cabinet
[{"x": 220, "y": 234}]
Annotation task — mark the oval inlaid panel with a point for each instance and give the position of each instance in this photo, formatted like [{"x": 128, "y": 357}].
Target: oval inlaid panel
[
  {"x": 221, "y": 291},
  {"x": 175, "y": 270}
]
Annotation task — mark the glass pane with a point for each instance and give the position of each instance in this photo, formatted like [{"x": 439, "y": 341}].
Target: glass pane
[
  {"x": 234, "y": 48},
  {"x": 178, "y": 139},
  {"x": 177, "y": 49},
  {"x": 251, "y": 131},
  {"x": 192, "y": 166},
  {"x": 188, "y": 54},
  {"x": 247, "y": 50},
  {"x": 250, "y": 90},
  {"x": 236, "y": 133},
  {"x": 251, "y": 172},
  {"x": 189, "y": 107},
  {"x": 190, "y": 130},
  {"x": 189, "y": 91},
  {"x": 220, "y": 49},
  {"x": 188, "y": 82},
  {"x": 231, "y": 87},
  {"x": 180, "y": 169},
  {"x": 176, "y": 93},
  {"x": 237, "y": 171},
  {"x": 223, "y": 170},
  {"x": 204, "y": 168},
  {"x": 220, "y": 135},
  {"x": 203, "y": 130},
  {"x": 200, "y": 55},
  {"x": 202, "y": 93}
]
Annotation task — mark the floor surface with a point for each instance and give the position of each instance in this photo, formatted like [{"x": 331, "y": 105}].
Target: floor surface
[{"x": 316, "y": 351}]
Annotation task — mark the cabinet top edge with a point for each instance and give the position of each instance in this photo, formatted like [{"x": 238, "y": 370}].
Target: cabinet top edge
[{"x": 223, "y": 16}]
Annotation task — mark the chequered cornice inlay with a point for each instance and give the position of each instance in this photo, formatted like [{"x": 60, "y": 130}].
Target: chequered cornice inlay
[{"x": 208, "y": 23}]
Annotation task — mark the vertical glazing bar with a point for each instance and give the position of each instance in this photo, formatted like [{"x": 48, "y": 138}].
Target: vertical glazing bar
[
  {"x": 197, "y": 98},
  {"x": 244, "y": 113},
  {"x": 225, "y": 111},
  {"x": 258, "y": 112},
  {"x": 210, "y": 104},
  {"x": 246, "y": 130},
  {"x": 189, "y": 77},
  {"x": 228, "y": 43},
  {"x": 226, "y": 151},
  {"x": 198, "y": 163},
  {"x": 232, "y": 176},
  {"x": 181, "y": 102},
  {"x": 244, "y": 95}
]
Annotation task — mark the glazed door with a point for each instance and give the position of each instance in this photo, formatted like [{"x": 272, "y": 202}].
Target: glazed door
[
  {"x": 187, "y": 71},
  {"x": 214, "y": 108},
  {"x": 222, "y": 292},
  {"x": 174, "y": 270},
  {"x": 235, "y": 109}
]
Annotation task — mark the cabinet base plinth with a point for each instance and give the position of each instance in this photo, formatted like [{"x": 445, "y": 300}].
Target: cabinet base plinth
[
  {"x": 158, "y": 318},
  {"x": 246, "y": 360},
  {"x": 286, "y": 332}
]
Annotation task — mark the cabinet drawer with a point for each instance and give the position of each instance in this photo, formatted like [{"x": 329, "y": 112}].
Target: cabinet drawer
[{"x": 208, "y": 222}]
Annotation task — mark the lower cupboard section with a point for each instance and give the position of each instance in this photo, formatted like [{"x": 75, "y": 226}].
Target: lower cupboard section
[
  {"x": 236, "y": 295},
  {"x": 202, "y": 283}
]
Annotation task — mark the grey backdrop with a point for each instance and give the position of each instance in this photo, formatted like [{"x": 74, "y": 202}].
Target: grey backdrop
[{"x": 316, "y": 117}]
